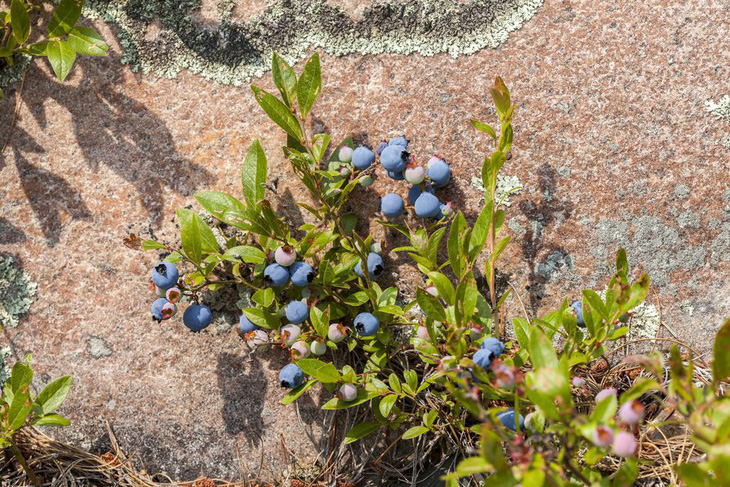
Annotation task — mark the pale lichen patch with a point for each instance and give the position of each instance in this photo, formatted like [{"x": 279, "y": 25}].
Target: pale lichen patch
[{"x": 16, "y": 292}]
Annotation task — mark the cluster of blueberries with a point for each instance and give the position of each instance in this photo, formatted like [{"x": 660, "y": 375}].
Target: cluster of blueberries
[
  {"x": 164, "y": 284},
  {"x": 277, "y": 274},
  {"x": 400, "y": 165}
]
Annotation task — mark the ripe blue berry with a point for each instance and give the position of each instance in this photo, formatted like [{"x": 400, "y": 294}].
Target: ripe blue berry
[
  {"x": 297, "y": 312},
  {"x": 156, "y": 309},
  {"x": 381, "y": 146},
  {"x": 401, "y": 141},
  {"x": 416, "y": 191},
  {"x": 440, "y": 173},
  {"x": 578, "y": 310},
  {"x": 494, "y": 346},
  {"x": 375, "y": 266},
  {"x": 197, "y": 317},
  {"x": 276, "y": 275},
  {"x": 507, "y": 418},
  {"x": 427, "y": 206},
  {"x": 301, "y": 274},
  {"x": 246, "y": 325},
  {"x": 391, "y": 205},
  {"x": 396, "y": 176},
  {"x": 291, "y": 376},
  {"x": 363, "y": 157},
  {"x": 483, "y": 358},
  {"x": 394, "y": 158},
  {"x": 366, "y": 324},
  {"x": 165, "y": 275}
]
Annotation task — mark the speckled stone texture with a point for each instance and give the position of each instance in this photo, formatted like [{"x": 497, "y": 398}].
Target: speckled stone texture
[{"x": 614, "y": 145}]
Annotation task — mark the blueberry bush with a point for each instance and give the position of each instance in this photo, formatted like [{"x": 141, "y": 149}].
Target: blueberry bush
[{"x": 442, "y": 374}]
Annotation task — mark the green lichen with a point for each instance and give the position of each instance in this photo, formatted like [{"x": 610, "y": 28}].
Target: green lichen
[
  {"x": 721, "y": 111},
  {"x": 16, "y": 292},
  {"x": 235, "y": 52},
  {"x": 11, "y": 74}
]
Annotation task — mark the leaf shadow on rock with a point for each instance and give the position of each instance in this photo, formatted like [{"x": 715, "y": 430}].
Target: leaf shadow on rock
[
  {"x": 540, "y": 215},
  {"x": 243, "y": 387},
  {"x": 9, "y": 233},
  {"x": 114, "y": 130}
]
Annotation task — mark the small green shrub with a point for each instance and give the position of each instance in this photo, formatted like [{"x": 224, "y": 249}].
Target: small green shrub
[{"x": 441, "y": 368}]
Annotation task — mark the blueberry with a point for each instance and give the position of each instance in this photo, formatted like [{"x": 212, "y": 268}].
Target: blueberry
[
  {"x": 391, "y": 205},
  {"x": 363, "y": 157},
  {"x": 366, "y": 324},
  {"x": 394, "y": 158},
  {"x": 396, "y": 176},
  {"x": 347, "y": 393},
  {"x": 440, "y": 173},
  {"x": 285, "y": 255},
  {"x": 165, "y": 275},
  {"x": 246, "y": 325},
  {"x": 301, "y": 274},
  {"x": 381, "y": 146},
  {"x": 415, "y": 174},
  {"x": 366, "y": 181},
  {"x": 197, "y": 317},
  {"x": 401, "y": 141},
  {"x": 427, "y": 206},
  {"x": 416, "y": 191},
  {"x": 494, "y": 346},
  {"x": 289, "y": 334},
  {"x": 578, "y": 310},
  {"x": 507, "y": 418},
  {"x": 276, "y": 275},
  {"x": 483, "y": 358},
  {"x": 375, "y": 266},
  {"x": 291, "y": 376},
  {"x": 297, "y": 312},
  {"x": 156, "y": 309},
  {"x": 345, "y": 154}
]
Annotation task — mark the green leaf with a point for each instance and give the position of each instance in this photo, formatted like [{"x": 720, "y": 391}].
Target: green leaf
[
  {"x": 360, "y": 431},
  {"x": 51, "y": 420},
  {"x": 605, "y": 410},
  {"x": 262, "y": 318},
  {"x": 622, "y": 262},
  {"x": 721, "y": 349},
  {"x": 253, "y": 174},
  {"x": 152, "y": 245},
  {"x": 387, "y": 403},
  {"x": 362, "y": 396},
  {"x": 309, "y": 85},
  {"x": 64, "y": 18},
  {"x": 263, "y": 297},
  {"x": 248, "y": 254},
  {"x": 284, "y": 78},
  {"x": 61, "y": 56},
  {"x": 278, "y": 113},
  {"x": 473, "y": 465},
  {"x": 19, "y": 409},
  {"x": 414, "y": 432},
  {"x": 443, "y": 286},
  {"x": 454, "y": 243},
  {"x": 596, "y": 303},
  {"x": 487, "y": 129},
  {"x": 694, "y": 476},
  {"x": 20, "y": 377},
  {"x": 217, "y": 204},
  {"x": 542, "y": 353},
  {"x": 294, "y": 394},
  {"x": 430, "y": 305},
  {"x": 328, "y": 374},
  {"x": 480, "y": 232},
  {"x": 85, "y": 40},
  {"x": 196, "y": 236},
  {"x": 19, "y": 20},
  {"x": 53, "y": 395}
]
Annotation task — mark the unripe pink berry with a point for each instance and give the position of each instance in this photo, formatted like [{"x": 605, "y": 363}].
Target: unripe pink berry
[
  {"x": 285, "y": 255},
  {"x": 602, "y": 436},
  {"x": 578, "y": 381},
  {"x": 318, "y": 348},
  {"x": 432, "y": 290},
  {"x": 299, "y": 350},
  {"x": 624, "y": 444},
  {"x": 336, "y": 332},
  {"x": 505, "y": 375},
  {"x": 422, "y": 332},
  {"x": 605, "y": 393},
  {"x": 348, "y": 392},
  {"x": 168, "y": 311},
  {"x": 415, "y": 174},
  {"x": 256, "y": 337},
  {"x": 448, "y": 209},
  {"x": 345, "y": 154},
  {"x": 173, "y": 295},
  {"x": 631, "y": 412},
  {"x": 289, "y": 334}
]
